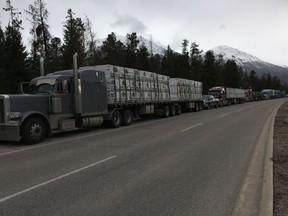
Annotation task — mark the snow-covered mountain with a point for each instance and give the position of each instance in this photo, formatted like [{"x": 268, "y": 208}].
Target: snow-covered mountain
[
  {"x": 249, "y": 62},
  {"x": 246, "y": 61},
  {"x": 157, "y": 47}
]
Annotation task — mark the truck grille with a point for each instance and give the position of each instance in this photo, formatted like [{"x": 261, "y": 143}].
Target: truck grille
[{"x": 2, "y": 114}]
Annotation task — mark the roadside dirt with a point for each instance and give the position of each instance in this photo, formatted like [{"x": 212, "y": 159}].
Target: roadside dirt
[{"x": 280, "y": 162}]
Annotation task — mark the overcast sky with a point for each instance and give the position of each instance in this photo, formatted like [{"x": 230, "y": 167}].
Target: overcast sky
[{"x": 258, "y": 27}]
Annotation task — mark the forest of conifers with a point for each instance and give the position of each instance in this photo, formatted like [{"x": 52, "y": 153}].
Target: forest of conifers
[{"x": 19, "y": 63}]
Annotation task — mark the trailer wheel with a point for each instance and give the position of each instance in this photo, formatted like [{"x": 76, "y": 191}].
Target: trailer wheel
[
  {"x": 33, "y": 131},
  {"x": 197, "y": 107},
  {"x": 116, "y": 119},
  {"x": 127, "y": 117},
  {"x": 172, "y": 110},
  {"x": 178, "y": 109},
  {"x": 166, "y": 111}
]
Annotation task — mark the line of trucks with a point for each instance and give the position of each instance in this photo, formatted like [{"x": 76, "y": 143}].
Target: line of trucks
[{"x": 87, "y": 97}]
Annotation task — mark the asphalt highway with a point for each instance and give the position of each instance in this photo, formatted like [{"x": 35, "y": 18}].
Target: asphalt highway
[{"x": 192, "y": 164}]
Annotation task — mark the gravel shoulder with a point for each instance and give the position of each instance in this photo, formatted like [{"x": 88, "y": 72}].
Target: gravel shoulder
[{"x": 280, "y": 162}]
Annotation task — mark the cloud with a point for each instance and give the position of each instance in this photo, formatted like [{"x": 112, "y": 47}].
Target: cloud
[{"x": 133, "y": 24}]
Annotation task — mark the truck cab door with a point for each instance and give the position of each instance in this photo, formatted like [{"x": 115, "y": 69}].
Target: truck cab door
[{"x": 63, "y": 90}]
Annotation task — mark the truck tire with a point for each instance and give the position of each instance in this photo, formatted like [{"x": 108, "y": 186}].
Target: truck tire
[
  {"x": 178, "y": 109},
  {"x": 166, "y": 111},
  {"x": 197, "y": 107},
  {"x": 127, "y": 117},
  {"x": 116, "y": 119},
  {"x": 33, "y": 131},
  {"x": 172, "y": 110}
]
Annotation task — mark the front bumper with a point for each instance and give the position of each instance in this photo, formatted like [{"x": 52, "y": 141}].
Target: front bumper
[{"x": 9, "y": 133}]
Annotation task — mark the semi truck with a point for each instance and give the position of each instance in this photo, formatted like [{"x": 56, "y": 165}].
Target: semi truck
[
  {"x": 268, "y": 94},
  {"x": 88, "y": 96},
  {"x": 228, "y": 96}
]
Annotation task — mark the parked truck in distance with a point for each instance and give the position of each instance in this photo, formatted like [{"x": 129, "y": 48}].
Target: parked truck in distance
[
  {"x": 252, "y": 95},
  {"x": 88, "y": 96},
  {"x": 228, "y": 96},
  {"x": 272, "y": 94}
]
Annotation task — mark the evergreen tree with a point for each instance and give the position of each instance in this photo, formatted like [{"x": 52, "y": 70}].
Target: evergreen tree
[
  {"x": 183, "y": 61},
  {"x": 142, "y": 58},
  {"x": 73, "y": 41},
  {"x": 263, "y": 82},
  {"x": 232, "y": 77},
  {"x": 245, "y": 81},
  {"x": 253, "y": 81},
  {"x": 15, "y": 58},
  {"x": 169, "y": 67},
  {"x": 131, "y": 49},
  {"x": 185, "y": 45},
  {"x": 112, "y": 51},
  {"x": 240, "y": 77},
  {"x": 196, "y": 62},
  {"x": 219, "y": 68},
  {"x": 209, "y": 73},
  {"x": 276, "y": 83},
  {"x": 56, "y": 54},
  {"x": 269, "y": 81},
  {"x": 155, "y": 63}
]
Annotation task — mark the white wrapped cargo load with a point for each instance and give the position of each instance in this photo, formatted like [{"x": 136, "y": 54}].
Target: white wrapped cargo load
[
  {"x": 235, "y": 93},
  {"x": 185, "y": 90},
  {"x": 132, "y": 86}
]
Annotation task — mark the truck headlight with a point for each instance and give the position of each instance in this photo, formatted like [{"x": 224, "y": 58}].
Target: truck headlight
[{"x": 14, "y": 116}]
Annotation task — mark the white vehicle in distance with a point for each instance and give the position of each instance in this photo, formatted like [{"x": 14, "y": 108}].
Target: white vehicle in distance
[{"x": 210, "y": 101}]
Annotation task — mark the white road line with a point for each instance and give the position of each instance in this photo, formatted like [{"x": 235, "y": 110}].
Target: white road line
[
  {"x": 186, "y": 129},
  {"x": 224, "y": 115},
  {"x": 53, "y": 180}
]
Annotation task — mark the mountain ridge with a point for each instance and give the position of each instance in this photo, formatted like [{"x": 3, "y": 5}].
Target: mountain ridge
[
  {"x": 245, "y": 60},
  {"x": 249, "y": 62}
]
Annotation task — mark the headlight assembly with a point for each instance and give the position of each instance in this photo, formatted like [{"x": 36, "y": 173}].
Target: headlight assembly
[{"x": 14, "y": 116}]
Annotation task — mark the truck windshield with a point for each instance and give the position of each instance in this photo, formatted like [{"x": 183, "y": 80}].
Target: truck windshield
[
  {"x": 215, "y": 93},
  {"x": 42, "y": 86}
]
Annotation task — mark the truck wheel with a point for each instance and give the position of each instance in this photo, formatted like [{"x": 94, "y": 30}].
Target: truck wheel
[
  {"x": 166, "y": 111},
  {"x": 178, "y": 110},
  {"x": 172, "y": 110},
  {"x": 33, "y": 131},
  {"x": 116, "y": 119},
  {"x": 127, "y": 117}
]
